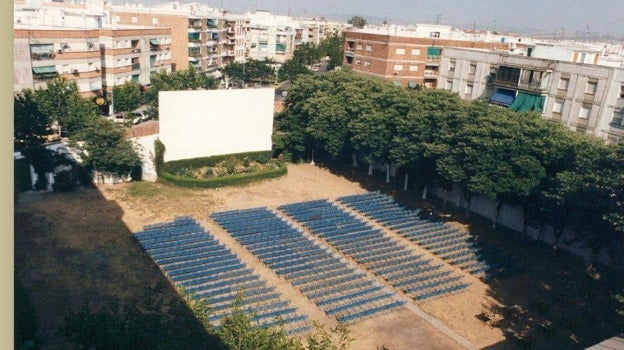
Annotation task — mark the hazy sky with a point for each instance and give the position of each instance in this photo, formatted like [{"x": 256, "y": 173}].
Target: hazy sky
[{"x": 575, "y": 17}]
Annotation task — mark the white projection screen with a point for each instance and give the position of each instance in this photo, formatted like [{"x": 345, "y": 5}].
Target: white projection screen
[{"x": 202, "y": 123}]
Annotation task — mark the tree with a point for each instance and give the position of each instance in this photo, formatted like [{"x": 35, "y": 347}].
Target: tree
[
  {"x": 333, "y": 47},
  {"x": 190, "y": 79},
  {"x": 357, "y": 22},
  {"x": 127, "y": 97},
  {"x": 291, "y": 70},
  {"x": 30, "y": 124},
  {"x": 55, "y": 100},
  {"x": 424, "y": 134},
  {"x": 64, "y": 107},
  {"x": 103, "y": 147}
]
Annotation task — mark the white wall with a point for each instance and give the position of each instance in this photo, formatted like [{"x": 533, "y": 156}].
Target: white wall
[
  {"x": 145, "y": 147},
  {"x": 205, "y": 123}
]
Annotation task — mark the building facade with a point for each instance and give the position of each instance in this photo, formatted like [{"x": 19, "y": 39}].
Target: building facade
[
  {"x": 133, "y": 54},
  {"x": 586, "y": 97},
  {"x": 410, "y": 56},
  {"x": 41, "y": 55}
]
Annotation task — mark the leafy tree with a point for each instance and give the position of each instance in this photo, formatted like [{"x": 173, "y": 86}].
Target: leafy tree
[
  {"x": 191, "y": 79},
  {"x": 424, "y": 134},
  {"x": 30, "y": 124},
  {"x": 126, "y": 97},
  {"x": 55, "y": 101},
  {"x": 291, "y": 70},
  {"x": 306, "y": 54},
  {"x": 103, "y": 147},
  {"x": 357, "y": 22},
  {"x": 252, "y": 70},
  {"x": 590, "y": 193},
  {"x": 333, "y": 47}
]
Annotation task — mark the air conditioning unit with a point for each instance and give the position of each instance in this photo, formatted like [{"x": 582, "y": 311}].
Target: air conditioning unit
[
  {"x": 75, "y": 71},
  {"x": 90, "y": 45},
  {"x": 97, "y": 69}
]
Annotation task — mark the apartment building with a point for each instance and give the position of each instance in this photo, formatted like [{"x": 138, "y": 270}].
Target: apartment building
[
  {"x": 133, "y": 54},
  {"x": 165, "y": 16},
  {"x": 410, "y": 56},
  {"x": 43, "y": 54},
  {"x": 588, "y": 98}
]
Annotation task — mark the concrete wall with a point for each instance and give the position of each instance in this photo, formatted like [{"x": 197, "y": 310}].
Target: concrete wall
[
  {"x": 211, "y": 122},
  {"x": 145, "y": 147},
  {"x": 512, "y": 217}
]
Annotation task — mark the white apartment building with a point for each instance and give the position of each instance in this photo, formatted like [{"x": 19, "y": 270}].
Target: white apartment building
[{"x": 588, "y": 98}]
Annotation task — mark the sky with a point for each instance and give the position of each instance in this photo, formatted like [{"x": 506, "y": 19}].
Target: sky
[{"x": 570, "y": 18}]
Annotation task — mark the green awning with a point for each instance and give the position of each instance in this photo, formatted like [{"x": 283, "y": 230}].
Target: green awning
[
  {"x": 44, "y": 69},
  {"x": 528, "y": 102},
  {"x": 434, "y": 51},
  {"x": 155, "y": 41},
  {"x": 280, "y": 47}
]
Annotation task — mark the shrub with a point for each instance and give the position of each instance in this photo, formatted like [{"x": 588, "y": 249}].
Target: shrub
[{"x": 217, "y": 171}]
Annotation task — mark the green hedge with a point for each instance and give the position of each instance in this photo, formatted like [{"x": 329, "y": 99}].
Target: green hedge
[
  {"x": 164, "y": 169},
  {"x": 176, "y": 165},
  {"x": 232, "y": 180}
]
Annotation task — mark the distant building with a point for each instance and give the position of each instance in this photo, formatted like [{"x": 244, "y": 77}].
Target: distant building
[
  {"x": 410, "y": 56},
  {"x": 588, "y": 98}
]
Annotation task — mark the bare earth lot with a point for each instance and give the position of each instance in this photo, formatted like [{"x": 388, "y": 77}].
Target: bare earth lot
[{"x": 77, "y": 247}]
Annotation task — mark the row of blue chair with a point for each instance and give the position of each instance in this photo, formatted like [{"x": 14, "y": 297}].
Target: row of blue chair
[
  {"x": 386, "y": 258},
  {"x": 450, "y": 243},
  {"x": 198, "y": 264},
  {"x": 313, "y": 269}
]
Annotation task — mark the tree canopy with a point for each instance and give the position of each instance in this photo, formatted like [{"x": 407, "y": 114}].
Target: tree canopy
[
  {"x": 357, "y": 21},
  {"x": 127, "y": 97}
]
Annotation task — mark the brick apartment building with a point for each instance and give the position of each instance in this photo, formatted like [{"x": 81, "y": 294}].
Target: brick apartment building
[{"x": 410, "y": 57}]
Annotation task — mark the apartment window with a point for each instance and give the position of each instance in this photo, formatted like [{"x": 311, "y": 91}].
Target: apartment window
[
  {"x": 469, "y": 88},
  {"x": 134, "y": 19},
  {"x": 90, "y": 67},
  {"x": 358, "y": 47},
  {"x": 65, "y": 68},
  {"x": 618, "y": 117},
  {"x": 473, "y": 69},
  {"x": 590, "y": 88},
  {"x": 413, "y": 68},
  {"x": 116, "y": 18},
  {"x": 400, "y": 51},
  {"x": 398, "y": 67},
  {"x": 369, "y": 48},
  {"x": 558, "y": 106},
  {"x": 584, "y": 112},
  {"x": 154, "y": 21},
  {"x": 449, "y": 84},
  {"x": 451, "y": 66},
  {"x": 563, "y": 83},
  {"x": 118, "y": 63},
  {"x": 415, "y": 52},
  {"x": 358, "y": 62},
  {"x": 622, "y": 91},
  {"x": 366, "y": 64}
]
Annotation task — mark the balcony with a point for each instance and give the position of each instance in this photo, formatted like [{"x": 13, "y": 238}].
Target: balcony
[
  {"x": 136, "y": 66},
  {"x": 195, "y": 54},
  {"x": 432, "y": 60},
  {"x": 43, "y": 55},
  {"x": 430, "y": 74},
  {"x": 349, "y": 52}
]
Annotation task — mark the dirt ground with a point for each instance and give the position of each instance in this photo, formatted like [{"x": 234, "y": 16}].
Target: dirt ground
[{"x": 90, "y": 231}]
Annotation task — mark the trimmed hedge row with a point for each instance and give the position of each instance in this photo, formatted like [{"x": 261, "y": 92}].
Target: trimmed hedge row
[
  {"x": 176, "y": 165},
  {"x": 231, "y": 180},
  {"x": 164, "y": 169}
]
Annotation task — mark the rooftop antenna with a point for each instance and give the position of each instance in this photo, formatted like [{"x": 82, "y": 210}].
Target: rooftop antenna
[{"x": 438, "y": 17}]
